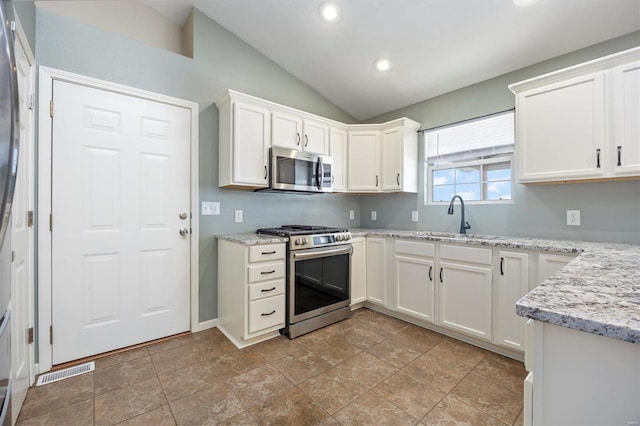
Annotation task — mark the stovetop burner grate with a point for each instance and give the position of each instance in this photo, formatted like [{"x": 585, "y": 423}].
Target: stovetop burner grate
[{"x": 289, "y": 230}]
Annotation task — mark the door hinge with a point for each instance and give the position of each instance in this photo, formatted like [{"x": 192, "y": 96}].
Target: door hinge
[
  {"x": 190, "y": 230},
  {"x": 51, "y": 334},
  {"x": 51, "y": 108},
  {"x": 13, "y": 26},
  {"x": 32, "y": 101},
  {"x": 51, "y": 222},
  {"x": 30, "y": 218},
  {"x": 13, "y": 255},
  {"x": 30, "y": 335}
]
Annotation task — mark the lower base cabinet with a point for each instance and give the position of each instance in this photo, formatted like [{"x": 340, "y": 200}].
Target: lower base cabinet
[
  {"x": 359, "y": 271},
  {"x": 511, "y": 285},
  {"x": 376, "y": 282},
  {"x": 414, "y": 280}
]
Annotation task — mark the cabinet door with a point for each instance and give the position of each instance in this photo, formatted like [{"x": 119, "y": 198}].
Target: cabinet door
[
  {"x": 358, "y": 271},
  {"x": 549, "y": 264},
  {"x": 465, "y": 298},
  {"x": 561, "y": 131},
  {"x": 316, "y": 137},
  {"x": 414, "y": 284},
  {"x": 338, "y": 152},
  {"x": 250, "y": 144},
  {"x": 286, "y": 131},
  {"x": 625, "y": 155},
  {"x": 376, "y": 288},
  {"x": 513, "y": 283},
  {"x": 392, "y": 159},
  {"x": 363, "y": 161}
]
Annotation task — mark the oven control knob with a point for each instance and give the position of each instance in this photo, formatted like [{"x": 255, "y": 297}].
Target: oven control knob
[
  {"x": 347, "y": 237},
  {"x": 338, "y": 237},
  {"x": 298, "y": 241},
  {"x": 305, "y": 241}
]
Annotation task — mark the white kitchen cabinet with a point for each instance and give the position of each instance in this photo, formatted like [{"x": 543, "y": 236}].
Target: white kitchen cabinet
[
  {"x": 363, "y": 161},
  {"x": 549, "y": 264},
  {"x": 299, "y": 133},
  {"x": 464, "y": 290},
  {"x": 625, "y": 158},
  {"x": 572, "y": 124},
  {"x": 358, "y": 271},
  {"x": 511, "y": 285},
  {"x": 244, "y": 141},
  {"x": 338, "y": 152},
  {"x": 376, "y": 271},
  {"x": 414, "y": 280},
  {"x": 399, "y": 159},
  {"x": 251, "y": 291}
]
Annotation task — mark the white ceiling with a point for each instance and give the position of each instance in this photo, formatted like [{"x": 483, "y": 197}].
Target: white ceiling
[{"x": 435, "y": 45}]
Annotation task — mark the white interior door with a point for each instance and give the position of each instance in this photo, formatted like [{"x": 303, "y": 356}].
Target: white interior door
[
  {"x": 22, "y": 235},
  {"x": 120, "y": 196}
]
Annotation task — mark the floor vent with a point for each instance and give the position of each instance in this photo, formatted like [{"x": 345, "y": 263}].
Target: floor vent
[{"x": 66, "y": 373}]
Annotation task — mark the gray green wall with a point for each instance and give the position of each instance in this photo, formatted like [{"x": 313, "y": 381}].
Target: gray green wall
[
  {"x": 610, "y": 211},
  {"x": 221, "y": 62}
]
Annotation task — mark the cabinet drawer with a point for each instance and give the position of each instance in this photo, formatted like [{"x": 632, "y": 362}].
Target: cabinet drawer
[
  {"x": 262, "y": 253},
  {"x": 267, "y": 289},
  {"x": 466, "y": 254},
  {"x": 416, "y": 248},
  {"x": 267, "y": 271},
  {"x": 266, "y": 313}
]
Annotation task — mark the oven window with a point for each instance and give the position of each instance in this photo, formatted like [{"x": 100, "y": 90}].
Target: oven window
[
  {"x": 293, "y": 171},
  {"x": 321, "y": 282}
]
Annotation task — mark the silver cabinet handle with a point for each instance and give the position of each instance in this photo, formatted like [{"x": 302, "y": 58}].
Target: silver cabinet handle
[
  {"x": 270, "y": 313},
  {"x": 183, "y": 231}
]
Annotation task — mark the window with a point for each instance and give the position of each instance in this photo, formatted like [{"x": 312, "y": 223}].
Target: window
[{"x": 472, "y": 159}]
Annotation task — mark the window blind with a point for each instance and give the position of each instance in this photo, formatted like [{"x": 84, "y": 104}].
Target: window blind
[{"x": 478, "y": 138}]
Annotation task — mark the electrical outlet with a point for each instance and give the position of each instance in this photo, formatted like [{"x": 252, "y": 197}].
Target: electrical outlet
[
  {"x": 414, "y": 216},
  {"x": 210, "y": 208},
  {"x": 238, "y": 215},
  {"x": 352, "y": 214},
  {"x": 573, "y": 217},
  {"x": 374, "y": 215}
]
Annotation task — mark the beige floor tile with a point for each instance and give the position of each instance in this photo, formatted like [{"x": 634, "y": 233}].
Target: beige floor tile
[
  {"x": 333, "y": 349},
  {"x": 386, "y": 325},
  {"x": 178, "y": 357},
  {"x": 80, "y": 413},
  {"x": 332, "y": 389},
  {"x": 213, "y": 347},
  {"x": 520, "y": 420},
  {"x": 366, "y": 368},
  {"x": 499, "y": 400},
  {"x": 258, "y": 385},
  {"x": 371, "y": 409},
  {"x": 458, "y": 353},
  {"x": 300, "y": 365},
  {"x": 435, "y": 373},
  {"x": 278, "y": 347},
  {"x": 362, "y": 337},
  {"x": 500, "y": 368},
  {"x": 417, "y": 338},
  {"x": 209, "y": 335},
  {"x": 292, "y": 407},
  {"x": 43, "y": 399},
  {"x": 123, "y": 374},
  {"x": 242, "y": 419},
  {"x": 209, "y": 406},
  {"x": 123, "y": 404},
  {"x": 408, "y": 394},
  {"x": 182, "y": 382},
  {"x": 172, "y": 343},
  {"x": 394, "y": 353},
  {"x": 229, "y": 364},
  {"x": 161, "y": 416},
  {"x": 453, "y": 412},
  {"x": 128, "y": 355}
]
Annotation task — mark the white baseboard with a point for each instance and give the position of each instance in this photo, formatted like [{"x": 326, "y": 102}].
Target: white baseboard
[{"x": 205, "y": 325}]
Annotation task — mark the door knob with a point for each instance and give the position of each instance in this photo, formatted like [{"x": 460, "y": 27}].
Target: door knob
[
  {"x": 183, "y": 231},
  {"x": 183, "y": 216}
]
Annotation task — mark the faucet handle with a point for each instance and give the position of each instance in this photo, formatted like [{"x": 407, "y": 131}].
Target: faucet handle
[{"x": 466, "y": 225}]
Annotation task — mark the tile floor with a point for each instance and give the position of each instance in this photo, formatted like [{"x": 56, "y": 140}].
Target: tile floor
[{"x": 369, "y": 369}]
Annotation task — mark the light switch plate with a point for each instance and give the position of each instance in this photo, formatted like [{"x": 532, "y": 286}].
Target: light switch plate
[
  {"x": 210, "y": 208},
  {"x": 414, "y": 216},
  {"x": 374, "y": 215},
  {"x": 573, "y": 217},
  {"x": 352, "y": 214},
  {"x": 238, "y": 215}
]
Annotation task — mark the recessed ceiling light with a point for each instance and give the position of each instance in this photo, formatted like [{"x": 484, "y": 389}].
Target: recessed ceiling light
[
  {"x": 329, "y": 12},
  {"x": 383, "y": 65},
  {"x": 524, "y": 3}
]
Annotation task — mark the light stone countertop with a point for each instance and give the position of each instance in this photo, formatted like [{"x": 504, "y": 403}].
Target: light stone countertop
[{"x": 598, "y": 292}]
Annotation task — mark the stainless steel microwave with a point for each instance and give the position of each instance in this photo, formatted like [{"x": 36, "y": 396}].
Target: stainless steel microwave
[{"x": 299, "y": 171}]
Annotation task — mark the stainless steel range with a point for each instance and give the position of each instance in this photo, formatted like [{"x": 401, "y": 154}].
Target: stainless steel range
[{"x": 318, "y": 276}]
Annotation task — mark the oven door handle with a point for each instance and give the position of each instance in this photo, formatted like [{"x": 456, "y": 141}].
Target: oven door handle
[{"x": 322, "y": 253}]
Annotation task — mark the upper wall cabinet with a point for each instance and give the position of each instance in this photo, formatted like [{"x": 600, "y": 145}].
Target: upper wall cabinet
[
  {"x": 581, "y": 122},
  {"x": 366, "y": 158}
]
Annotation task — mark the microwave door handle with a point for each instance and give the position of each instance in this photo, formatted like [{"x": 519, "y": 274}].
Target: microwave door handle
[{"x": 320, "y": 173}]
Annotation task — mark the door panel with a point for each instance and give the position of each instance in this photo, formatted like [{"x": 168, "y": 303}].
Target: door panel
[{"x": 115, "y": 238}]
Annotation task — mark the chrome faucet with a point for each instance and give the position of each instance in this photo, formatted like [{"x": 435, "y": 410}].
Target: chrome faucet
[{"x": 463, "y": 224}]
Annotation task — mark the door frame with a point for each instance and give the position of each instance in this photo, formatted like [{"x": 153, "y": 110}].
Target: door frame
[{"x": 44, "y": 293}]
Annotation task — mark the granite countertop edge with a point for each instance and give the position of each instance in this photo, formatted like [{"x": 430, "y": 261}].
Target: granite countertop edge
[{"x": 597, "y": 292}]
